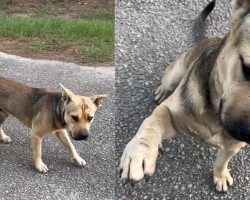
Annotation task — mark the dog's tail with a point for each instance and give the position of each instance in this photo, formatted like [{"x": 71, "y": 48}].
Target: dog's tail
[{"x": 199, "y": 24}]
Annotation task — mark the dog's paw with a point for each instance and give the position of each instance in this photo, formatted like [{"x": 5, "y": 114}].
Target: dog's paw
[
  {"x": 138, "y": 161},
  {"x": 161, "y": 94},
  {"x": 79, "y": 161},
  {"x": 41, "y": 167},
  {"x": 6, "y": 139},
  {"x": 223, "y": 181}
]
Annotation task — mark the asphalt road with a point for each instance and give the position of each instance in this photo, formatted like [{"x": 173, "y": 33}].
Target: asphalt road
[
  {"x": 150, "y": 33},
  {"x": 19, "y": 179}
]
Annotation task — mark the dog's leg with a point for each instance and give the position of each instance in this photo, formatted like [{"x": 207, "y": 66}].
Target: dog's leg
[
  {"x": 64, "y": 138},
  {"x": 222, "y": 177},
  {"x": 171, "y": 78},
  {"x": 140, "y": 154},
  {"x": 3, "y": 137},
  {"x": 36, "y": 141}
]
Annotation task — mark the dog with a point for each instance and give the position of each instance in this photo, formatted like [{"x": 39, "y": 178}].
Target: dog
[
  {"x": 205, "y": 92},
  {"x": 48, "y": 113}
]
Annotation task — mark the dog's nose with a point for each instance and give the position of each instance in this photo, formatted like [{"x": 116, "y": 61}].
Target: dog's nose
[{"x": 82, "y": 135}]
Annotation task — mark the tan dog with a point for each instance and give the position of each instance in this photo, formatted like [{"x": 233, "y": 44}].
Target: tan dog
[
  {"x": 206, "y": 93},
  {"x": 48, "y": 113}
]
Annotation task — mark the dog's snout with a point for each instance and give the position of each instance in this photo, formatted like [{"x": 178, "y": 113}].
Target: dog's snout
[
  {"x": 239, "y": 129},
  {"x": 82, "y": 135}
]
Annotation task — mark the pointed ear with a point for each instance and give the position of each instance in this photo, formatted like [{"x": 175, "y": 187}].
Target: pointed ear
[
  {"x": 240, "y": 9},
  {"x": 240, "y": 5},
  {"x": 98, "y": 99},
  {"x": 67, "y": 94}
]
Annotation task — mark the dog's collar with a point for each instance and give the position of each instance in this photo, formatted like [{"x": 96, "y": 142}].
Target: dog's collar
[{"x": 60, "y": 112}]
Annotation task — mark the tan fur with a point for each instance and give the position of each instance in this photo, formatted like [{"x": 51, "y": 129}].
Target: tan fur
[
  {"x": 47, "y": 113},
  {"x": 184, "y": 104}
]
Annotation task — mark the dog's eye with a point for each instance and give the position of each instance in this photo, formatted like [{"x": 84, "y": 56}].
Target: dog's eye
[
  {"x": 75, "y": 118},
  {"x": 90, "y": 118},
  {"x": 245, "y": 69}
]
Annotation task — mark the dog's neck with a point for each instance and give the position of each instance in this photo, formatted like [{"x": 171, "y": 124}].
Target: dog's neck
[
  {"x": 215, "y": 82},
  {"x": 59, "y": 112}
]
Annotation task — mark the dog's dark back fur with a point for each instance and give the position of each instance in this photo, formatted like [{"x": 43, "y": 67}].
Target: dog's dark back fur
[
  {"x": 200, "y": 73},
  {"x": 25, "y": 95}
]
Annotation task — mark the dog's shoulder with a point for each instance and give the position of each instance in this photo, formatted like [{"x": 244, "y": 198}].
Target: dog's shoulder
[{"x": 195, "y": 90}]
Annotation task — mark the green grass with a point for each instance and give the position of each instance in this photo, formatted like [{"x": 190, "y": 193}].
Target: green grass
[
  {"x": 42, "y": 46},
  {"x": 94, "y": 37}
]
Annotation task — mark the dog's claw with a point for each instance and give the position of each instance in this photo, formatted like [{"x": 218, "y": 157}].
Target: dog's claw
[
  {"x": 124, "y": 182},
  {"x": 161, "y": 150},
  {"x": 146, "y": 177},
  {"x": 132, "y": 183},
  {"x": 120, "y": 173}
]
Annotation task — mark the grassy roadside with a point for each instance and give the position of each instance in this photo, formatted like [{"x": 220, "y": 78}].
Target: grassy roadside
[{"x": 92, "y": 39}]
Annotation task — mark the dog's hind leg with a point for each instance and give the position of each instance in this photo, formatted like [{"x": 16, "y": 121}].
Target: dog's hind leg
[
  {"x": 171, "y": 78},
  {"x": 3, "y": 137},
  {"x": 64, "y": 138},
  {"x": 222, "y": 177}
]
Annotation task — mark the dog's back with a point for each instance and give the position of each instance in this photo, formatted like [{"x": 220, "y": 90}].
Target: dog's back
[{"x": 19, "y": 99}]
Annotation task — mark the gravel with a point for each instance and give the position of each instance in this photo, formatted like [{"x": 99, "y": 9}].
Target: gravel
[
  {"x": 19, "y": 179},
  {"x": 150, "y": 34}
]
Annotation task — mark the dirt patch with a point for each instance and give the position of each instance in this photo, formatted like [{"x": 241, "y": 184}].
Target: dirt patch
[
  {"x": 54, "y": 7},
  {"x": 24, "y": 48}
]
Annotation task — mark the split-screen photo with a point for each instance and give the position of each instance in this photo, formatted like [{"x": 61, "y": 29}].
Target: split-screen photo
[{"x": 124, "y": 100}]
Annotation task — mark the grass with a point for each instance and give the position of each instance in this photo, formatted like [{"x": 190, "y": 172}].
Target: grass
[
  {"x": 42, "y": 46},
  {"x": 93, "y": 36}
]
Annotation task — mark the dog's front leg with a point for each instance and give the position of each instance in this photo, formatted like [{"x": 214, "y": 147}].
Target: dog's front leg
[
  {"x": 64, "y": 138},
  {"x": 222, "y": 177},
  {"x": 36, "y": 141},
  {"x": 3, "y": 137},
  {"x": 139, "y": 157}
]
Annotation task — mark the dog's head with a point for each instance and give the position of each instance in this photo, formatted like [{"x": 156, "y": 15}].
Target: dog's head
[
  {"x": 79, "y": 112},
  {"x": 234, "y": 74}
]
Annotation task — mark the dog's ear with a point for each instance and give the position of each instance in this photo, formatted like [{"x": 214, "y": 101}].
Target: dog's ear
[
  {"x": 67, "y": 95},
  {"x": 98, "y": 99},
  {"x": 240, "y": 4},
  {"x": 240, "y": 9}
]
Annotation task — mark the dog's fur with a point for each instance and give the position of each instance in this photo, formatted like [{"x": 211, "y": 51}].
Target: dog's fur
[
  {"x": 47, "y": 113},
  {"x": 205, "y": 92}
]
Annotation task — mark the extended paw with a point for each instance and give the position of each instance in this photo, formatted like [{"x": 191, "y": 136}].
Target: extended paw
[
  {"x": 223, "y": 181},
  {"x": 138, "y": 161},
  {"x": 162, "y": 93},
  {"x": 6, "y": 139},
  {"x": 41, "y": 167},
  {"x": 79, "y": 161}
]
